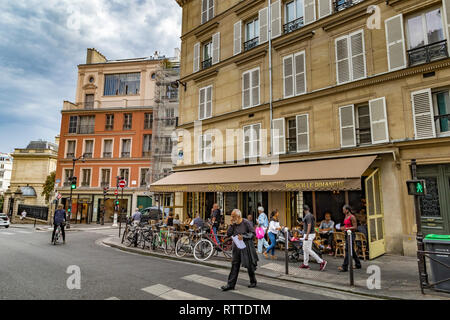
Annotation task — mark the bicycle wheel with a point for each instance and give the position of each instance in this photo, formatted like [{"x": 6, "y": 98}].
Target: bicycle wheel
[
  {"x": 169, "y": 247},
  {"x": 183, "y": 246},
  {"x": 129, "y": 238},
  {"x": 227, "y": 248},
  {"x": 203, "y": 250},
  {"x": 140, "y": 242}
]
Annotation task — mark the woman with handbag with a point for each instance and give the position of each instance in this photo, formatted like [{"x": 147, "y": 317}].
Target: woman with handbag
[{"x": 263, "y": 223}]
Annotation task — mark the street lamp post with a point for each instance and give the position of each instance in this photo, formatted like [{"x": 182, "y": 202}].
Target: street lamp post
[{"x": 71, "y": 188}]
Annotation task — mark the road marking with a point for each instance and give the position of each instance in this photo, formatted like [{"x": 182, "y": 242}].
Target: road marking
[
  {"x": 7, "y": 233},
  {"x": 113, "y": 298},
  {"x": 24, "y": 232},
  {"x": 300, "y": 287},
  {"x": 249, "y": 292},
  {"x": 168, "y": 293}
]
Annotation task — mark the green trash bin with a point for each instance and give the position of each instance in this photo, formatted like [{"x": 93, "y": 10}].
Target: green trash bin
[{"x": 440, "y": 244}]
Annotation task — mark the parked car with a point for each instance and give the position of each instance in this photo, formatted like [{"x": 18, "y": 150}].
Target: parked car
[
  {"x": 4, "y": 220},
  {"x": 151, "y": 213}
]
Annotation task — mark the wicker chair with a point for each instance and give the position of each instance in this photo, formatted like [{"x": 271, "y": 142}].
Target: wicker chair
[{"x": 339, "y": 244}]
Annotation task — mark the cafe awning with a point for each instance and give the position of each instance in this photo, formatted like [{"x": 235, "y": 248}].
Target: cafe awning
[{"x": 321, "y": 175}]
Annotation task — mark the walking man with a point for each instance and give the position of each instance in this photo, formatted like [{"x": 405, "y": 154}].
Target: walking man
[
  {"x": 246, "y": 257},
  {"x": 309, "y": 223},
  {"x": 215, "y": 220}
]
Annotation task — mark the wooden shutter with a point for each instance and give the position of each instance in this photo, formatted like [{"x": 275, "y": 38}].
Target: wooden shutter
[
  {"x": 255, "y": 87},
  {"x": 395, "y": 43},
  {"x": 302, "y": 123},
  {"x": 309, "y": 11},
  {"x": 278, "y": 136},
  {"x": 204, "y": 11},
  {"x": 288, "y": 76},
  {"x": 275, "y": 15},
  {"x": 208, "y": 104},
  {"x": 300, "y": 73},
  {"x": 202, "y": 104},
  {"x": 378, "y": 121},
  {"x": 358, "y": 62},
  {"x": 263, "y": 18},
  {"x": 424, "y": 126},
  {"x": 216, "y": 48},
  {"x": 200, "y": 149},
  {"x": 237, "y": 38},
  {"x": 207, "y": 148},
  {"x": 197, "y": 57},
  {"x": 347, "y": 124},
  {"x": 325, "y": 8},
  {"x": 342, "y": 60},
  {"x": 246, "y": 90},
  {"x": 446, "y": 14}
]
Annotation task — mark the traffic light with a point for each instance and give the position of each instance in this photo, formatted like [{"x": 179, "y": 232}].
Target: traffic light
[
  {"x": 105, "y": 191},
  {"x": 416, "y": 187},
  {"x": 74, "y": 183},
  {"x": 117, "y": 202}
]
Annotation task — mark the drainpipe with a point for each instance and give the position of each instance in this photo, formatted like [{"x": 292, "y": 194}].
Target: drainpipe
[{"x": 269, "y": 26}]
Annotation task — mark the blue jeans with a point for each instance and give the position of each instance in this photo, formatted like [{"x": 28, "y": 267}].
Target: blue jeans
[
  {"x": 273, "y": 242},
  {"x": 215, "y": 235}
]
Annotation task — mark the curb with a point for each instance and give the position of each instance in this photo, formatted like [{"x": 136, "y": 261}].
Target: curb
[{"x": 281, "y": 277}]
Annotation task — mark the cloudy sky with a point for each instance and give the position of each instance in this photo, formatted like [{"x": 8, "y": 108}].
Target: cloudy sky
[{"x": 42, "y": 42}]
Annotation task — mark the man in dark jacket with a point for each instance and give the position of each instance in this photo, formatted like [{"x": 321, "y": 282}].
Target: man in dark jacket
[
  {"x": 58, "y": 220},
  {"x": 246, "y": 257}
]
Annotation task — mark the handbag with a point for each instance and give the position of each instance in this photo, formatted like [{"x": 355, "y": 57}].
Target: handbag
[{"x": 259, "y": 233}]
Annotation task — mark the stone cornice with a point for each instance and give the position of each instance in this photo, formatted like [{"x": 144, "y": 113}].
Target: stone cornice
[
  {"x": 206, "y": 28},
  {"x": 292, "y": 39},
  {"x": 345, "y": 17}
]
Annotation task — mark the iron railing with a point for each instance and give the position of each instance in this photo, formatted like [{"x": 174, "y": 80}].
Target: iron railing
[
  {"x": 105, "y": 184},
  {"x": 340, "y": 5},
  {"x": 70, "y": 155},
  {"x": 207, "y": 63},
  {"x": 250, "y": 44},
  {"x": 125, "y": 154},
  {"x": 85, "y": 184},
  {"x": 86, "y": 129},
  {"x": 146, "y": 153},
  {"x": 107, "y": 154},
  {"x": 428, "y": 53},
  {"x": 293, "y": 25},
  {"x": 109, "y": 127},
  {"x": 87, "y": 155}
]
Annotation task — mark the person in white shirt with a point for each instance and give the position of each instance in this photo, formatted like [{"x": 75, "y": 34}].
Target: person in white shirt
[
  {"x": 24, "y": 215},
  {"x": 274, "y": 228}
]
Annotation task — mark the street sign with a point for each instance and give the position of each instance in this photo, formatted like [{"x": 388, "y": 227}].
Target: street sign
[
  {"x": 122, "y": 184},
  {"x": 116, "y": 192},
  {"x": 417, "y": 187}
]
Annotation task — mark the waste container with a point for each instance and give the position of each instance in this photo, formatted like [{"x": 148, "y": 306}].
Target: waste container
[{"x": 441, "y": 245}]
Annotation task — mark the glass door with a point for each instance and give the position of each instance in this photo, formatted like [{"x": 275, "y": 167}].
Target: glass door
[{"x": 375, "y": 215}]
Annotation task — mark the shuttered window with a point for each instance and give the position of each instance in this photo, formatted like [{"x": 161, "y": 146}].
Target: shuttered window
[
  {"x": 205, "y": 103},
  {"x": 347, "y": 124},
  {"x": 275, "y": 15},
  {"x": 325, "y": 8},
  {"x": 350, "y": 57},
  {"x": 207, "y": 10},
  {"x": 279, "y": 136},
  {"x": 294, "y": 74},
  {"x": 302, "y": 122},
  {"x": 310, "y": 11},
  {"x": 424, "y": 126},
  {"x": 196, "y": 57},
  {"x": 237, "y": 38},
  {"x": 250, "y": 88},
  {"x": 205, "y": 148},
  {"x": 216, "y": 48},
  {"x": 252, "y": 141},
  {"x": 378, "y": 120},
  {"x": 288, "y": 76},
  {"x": 263, "y": 18},
  {"x": 395, "y": 43}
]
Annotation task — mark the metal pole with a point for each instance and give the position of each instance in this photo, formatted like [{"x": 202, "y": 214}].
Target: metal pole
[
  {"x": 350, "y": 256},
  {"x": 116, "y": 207},
  {"x": 70, "y": 197},
  {"x": 423, "y": 276},
  {"x": 269, "y": 18},
  {"x": 286, "y": 251}
]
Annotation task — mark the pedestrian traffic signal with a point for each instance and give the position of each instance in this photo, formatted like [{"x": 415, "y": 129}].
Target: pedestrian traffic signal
[
  {"x": 74, "y": 183},
  {"x": 105, "y": 191},
  {"x": 417, "y": 187},
  {"x": 117, "y": 202}
]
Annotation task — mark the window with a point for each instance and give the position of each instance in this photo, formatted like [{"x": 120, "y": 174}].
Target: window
[
  {"x": 251, "y": 34},
  {"x": 73, "y": 124},
  {"x": 250, "y": 88},
  {"x": 170, "y": 117},
  {"x": 86, "y": 173},
  {"x": 125, "y": 174},
  {"x": 122, "y": 84},
  {"x": 107, "y": 148},
  {"x": 86, "y": 125},
  {"x": 252, "y": 141},
  {"x": 350, "y": 57},
  {"x": 89, "y": 101},
  {"x": 106, "y": 178},
  {"x": 294, "y": 74},
  {"x": 340, "y": 5},
  {"x": 126, "y": 148},
  {"x": 293, "y": 16},
  {"x": 70, "y": 153},
  {"x": 148, "y": 121},
  {"x": 205, "y": 148},
  {"x": 145, "y": 177},
  {"x": 426, "y": 38},
  {"x": 68, "y": 173},
  {"x": 207, "y": 55},
  {"x": 207, "y": 10},
  {"x": 2, "y": 174},
  {"x": 167, "y": 145},
  {"x": 441, "y": 108},
  {"x": 127, "y": 121},
  {"x": 363, "y": 132},
  {"x": 88, "y": 148},
  {"x": 205, "y": 104},
  {"x": 109, "y": 124},
  {"x": 147, "y": 145},
  {"x": 171, "y": 93}
]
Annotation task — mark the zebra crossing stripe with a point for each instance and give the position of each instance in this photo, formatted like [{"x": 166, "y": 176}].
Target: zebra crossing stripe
[
  {"x": 168, "y": 293},
  {"x": 7, "y": 233},
  {"x": 24, "y": 232},
  {"x": 113, "y": 298},
  {"x": 248, "y": 292}
]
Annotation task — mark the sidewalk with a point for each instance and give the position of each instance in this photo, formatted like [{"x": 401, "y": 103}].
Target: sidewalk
[
  {"x": 84, "y": 227},
  {"x": 399, "y": 275}
]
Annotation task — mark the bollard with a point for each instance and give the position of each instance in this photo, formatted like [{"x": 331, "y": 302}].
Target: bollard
[
  {"x": 350, "y": 256},
  {"x": 286, "y": 250}
]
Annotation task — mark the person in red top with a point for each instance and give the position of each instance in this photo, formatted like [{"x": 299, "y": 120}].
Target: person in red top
[{"x": 351, "y": 224}]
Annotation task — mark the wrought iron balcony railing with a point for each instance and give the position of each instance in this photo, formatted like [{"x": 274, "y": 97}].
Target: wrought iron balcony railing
[
  {"x": 87, "y": 155},
  {"x": 70, "y": 155},
  {"x": 125, "y": 154},
  {"x": 428, "y": 53},
  {"x": 340, "y": 5},
  {"x": 85, "y": 184},
  {"x": 107, "y": 154},
  {"x": 109, "y": 127},
  {"x": 250, "y": 44},
  {"x": 293, "y": 25},
  {"x": 207, "y": 63}
]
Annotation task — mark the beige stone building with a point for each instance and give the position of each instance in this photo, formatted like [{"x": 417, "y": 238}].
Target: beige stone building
[{"x": 344, "y": 93}]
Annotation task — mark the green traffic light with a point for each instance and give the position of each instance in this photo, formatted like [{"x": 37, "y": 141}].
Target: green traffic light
[
  {"x": 419, "y": 188},
  {"x": 74, "y": 186}
]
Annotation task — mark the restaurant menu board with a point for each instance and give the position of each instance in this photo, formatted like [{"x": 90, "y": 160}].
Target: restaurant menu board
[{"x": 231, "y": 202}]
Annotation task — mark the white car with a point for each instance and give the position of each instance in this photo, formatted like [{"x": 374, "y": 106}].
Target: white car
[{"x": 4, "y": 220}]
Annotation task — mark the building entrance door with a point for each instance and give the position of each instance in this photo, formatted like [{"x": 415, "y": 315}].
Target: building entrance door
[{"x": 375, "y": 215}]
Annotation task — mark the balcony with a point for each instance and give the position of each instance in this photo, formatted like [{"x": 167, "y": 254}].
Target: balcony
[
  {"x": 87, "y": 155},
  {"x": 146, "y": 154},
  {"x": 207, "y": 63},
  {"x": 86, "y": 129},
  {"x": 109, "y": 127},
  {"x": 67, "y": 183},
  {"x": 340, "y": 5},
  {"x": 70, "y": 155},
  {"x": 250, "y": 44},
  {"x": 105, "y": 184},
  {"x": 293, "y": 25},
  {"x": 428, "y": 53},
  {"x": 125, "y": 155},
  {"x": 85, "y": 184},
  {"x": 127, "y": 127},
  {"x": 107, "y": 154}
]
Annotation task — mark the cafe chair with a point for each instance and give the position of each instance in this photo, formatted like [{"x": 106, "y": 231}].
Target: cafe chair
[
  {"x": 339, "y": 244},
  {"x": 361, "y": 243}
]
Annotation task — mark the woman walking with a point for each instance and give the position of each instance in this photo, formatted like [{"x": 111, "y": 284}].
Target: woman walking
[
  {"x": 349, "y": 224},
  {"x": 274, "y": 228}
]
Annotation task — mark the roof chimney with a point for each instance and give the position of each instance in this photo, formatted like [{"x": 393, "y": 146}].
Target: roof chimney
[{"x": 94, "y": 56}]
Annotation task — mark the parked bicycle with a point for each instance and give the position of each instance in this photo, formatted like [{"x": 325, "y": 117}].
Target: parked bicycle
[
  {"x": 208, "y": 245},
  {"x": 186, "y": 243}
]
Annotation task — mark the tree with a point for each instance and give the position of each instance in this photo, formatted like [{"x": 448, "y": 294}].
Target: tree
[{"x": 49, "y": 186}]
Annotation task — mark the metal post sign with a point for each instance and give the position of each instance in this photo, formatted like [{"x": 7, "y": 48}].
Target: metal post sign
[
  {"x": 122, "y": 184},
  {"x": 416, "y": 187}
]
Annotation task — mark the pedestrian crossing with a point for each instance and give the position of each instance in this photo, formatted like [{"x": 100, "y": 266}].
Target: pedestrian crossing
[{"x": 13, "y": 232}]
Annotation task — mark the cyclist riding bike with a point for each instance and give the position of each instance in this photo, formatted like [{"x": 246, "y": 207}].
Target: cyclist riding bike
[{"x": 59, "y": 220}]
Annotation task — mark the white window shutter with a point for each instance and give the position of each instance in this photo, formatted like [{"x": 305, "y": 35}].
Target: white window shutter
[
  {"x": 300, "y": 73},
  {"x": 342, "y": 60},
  {"x": 255, "y": 87},
  {"x": 446, "y": 14},
  {"x": 200, "y": 149},
  {"x": 207, "y": 152},
  {"x": 246, "y": 90},
  {"x": 237, "y": 38},
  {"x": 247, "y": 130},
  {"x": 325, "y": 8},
  {"x": 216, "y": 48},
  {"x": 395, "y": 43},
  {"x": 278, "y": 136},
  {"x": 423, "y": 116},
  {"x": 208, "y": 105},
  {"x": 263, "y": 18},
  {"x": 202, "y": 104},
  {"x": 347, "y": 124},
  {"x": 302, "y": 122},
  {"x": 275, "y": 16},
  {"x": 378, "y": 121},
  {"x": 309, "y": 11},
  {"x": 197, "y": 57},
  {"x": 358, "y": 62},
  {"x": 288, "y": 76}
]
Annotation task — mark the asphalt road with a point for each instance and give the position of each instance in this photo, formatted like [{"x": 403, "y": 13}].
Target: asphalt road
[{"x": 33, "y": 269}]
